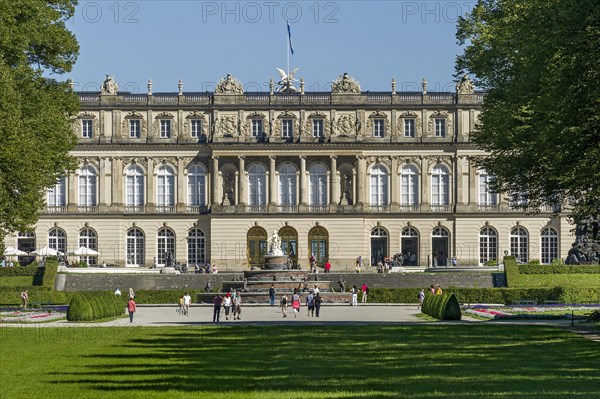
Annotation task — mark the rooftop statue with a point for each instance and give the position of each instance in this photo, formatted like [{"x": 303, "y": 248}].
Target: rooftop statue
[
  {"x": 229, "y": 85},
  {"x": 464, "y": 85},
  {"x": 345, "y": 84},
  {"x": 286, "y": 84},
  {"x": 109, "y": 87}
]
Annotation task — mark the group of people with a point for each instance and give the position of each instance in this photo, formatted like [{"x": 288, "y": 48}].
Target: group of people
[
  {"x": 364, "y": 290},
  {"x": 434, "y": 289},
  {"x": 231, "y": 303},
  {"x": 313, "y": 302},
  {"x": 131, "y": 305},
  {"x": 185, "y": 300},
  {"x": 6, "y": 263}
]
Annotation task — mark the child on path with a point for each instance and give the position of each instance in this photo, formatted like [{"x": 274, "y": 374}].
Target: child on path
[
  {"x": 283, "y": 304},
  {"x": 421, "y": 298},
  {"x": 180, "y": 308},
  {"x": 296, "y": 303},
  {"x": 131, "y": 309},
  {"x": 24, "y": 299}
]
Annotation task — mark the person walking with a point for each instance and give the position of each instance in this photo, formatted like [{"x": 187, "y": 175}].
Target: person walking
[
  {"x": 354, "y": 292},
  {"x": 296, "y": 302},
  {"x": 327, "y": 267},
  {"x": 272, "y": 295},
  {"x": 131, "y": 294},
  {"x": 432, "y": 289},
  {"x": 187, "y": 301},
  {"x": 237, "y": 306},
  {"x": 310, "y": 304},
  {"x": 180, "y": 303},
  {"x": 438, "y": 290},
  {"x": 365, "y": 292},
  {"x": 24, "y": 299},
  {"x": 421, "y": 298},
  {"x": 318, "y": 301},
  {"x": 227, "y": 305},
  {"x": 284, "y": 304},
  {"x": 131, "y": 309},
  {"x": 217, "y": 301}
]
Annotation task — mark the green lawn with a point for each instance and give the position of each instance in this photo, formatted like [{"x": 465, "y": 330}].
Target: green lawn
[
  {"x": 377, "y": 361},
  {"x": 557, "y": 280}
]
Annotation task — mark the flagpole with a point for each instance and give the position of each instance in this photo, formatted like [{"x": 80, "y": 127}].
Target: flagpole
[{"x": 288, "y": 46}]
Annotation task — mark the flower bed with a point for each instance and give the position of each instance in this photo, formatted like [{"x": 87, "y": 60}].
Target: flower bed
[
  {"x": 31, "y": 316},
  {"x": 527, "y": 312}
]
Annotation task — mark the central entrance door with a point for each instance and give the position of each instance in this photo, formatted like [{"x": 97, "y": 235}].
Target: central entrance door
[
  {"x": 440, "y": 241},
  {"x": 379, "y": 245}
]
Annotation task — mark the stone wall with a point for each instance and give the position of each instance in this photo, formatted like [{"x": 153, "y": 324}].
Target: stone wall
[{"x": 108, "y": 282}]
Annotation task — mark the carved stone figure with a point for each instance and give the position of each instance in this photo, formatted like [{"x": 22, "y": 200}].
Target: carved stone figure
[
  {"x": 286, "y": 84},
  {"x": 347, "y": 189},
  {"x": 345, "y": 84},
  {"x": 228, "y": 188},
  {"x": 464, "y": 85},
  {"x": 586, "y": 248},
  {"x": 229, "y": 85},
  {"x": 227, "y": 125},
  {"x": 275, "y": 245},
  {"x": 109, "y": 87},
  {"x": 346, "y": 125}
]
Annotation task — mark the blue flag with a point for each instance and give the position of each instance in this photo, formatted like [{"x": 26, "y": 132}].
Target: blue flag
[{"x": 290, "y": 37}]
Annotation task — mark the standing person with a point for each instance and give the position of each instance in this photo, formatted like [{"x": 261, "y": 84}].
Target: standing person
[
  {"x": 180, "y": 305},
  {"x": 272, "y": 294},
  {"x": 118, "y": 291},
  {"x": 24, "y": 299},
  {"x": 316, "y": 289},
  {"x": 154, "y": 263},
  {"x": 354, "y": 292},
  {"x": 296, "y": 302},
  {"x": 283, "y": 304},
  {"x": 131, "y": 309},
  {"x": 310, "y": 304},
  {"x": 421, "y": 298},
  {"x": 327, "y": 267},
  {"x": 227, "y": 305},
  {"x": 432, "y": 289},
  {"x": 131, "y": 293},
  {"x": 237, "y": 306},
  {"x": 187, "y": 301},
  {"x": 438, "y": 290},
  {"x": 365, "y": 292},
  {"x": 217, "y": 301},
  {"x": 318, "y": 301},
  {"x": 454, "y": 261}
]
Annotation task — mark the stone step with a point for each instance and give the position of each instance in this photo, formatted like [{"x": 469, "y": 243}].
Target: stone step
[{"x": 279, "y": 285}]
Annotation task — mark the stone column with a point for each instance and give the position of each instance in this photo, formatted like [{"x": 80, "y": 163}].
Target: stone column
[
  {"x": 303, "y": 184},
  {"x": 102, "y": 187},
  {"x": 216, "y": 182},
  {"x": 394, "y": 185},
  {"x": 425, "y": 186},
  {"x": 243, "y": 182},
  {"x": 117, "y": 182},
  {"x": 335, "y": 183},
  {"x": 72, "y": 191},
  {"x": 462, "y": 176},
  {"x": 150, "y": 187},
  {"x": 181, "y": 184},
  {"x": 362, "y": 181},
  {"x": 272, "y": 183}
]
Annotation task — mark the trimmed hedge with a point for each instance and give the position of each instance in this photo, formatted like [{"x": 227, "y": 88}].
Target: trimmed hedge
[
  {"x": 29, "y": 270},
  {"x": 37, "y": 295},
  {"x": 95, "y": 306},
  {"x": 492, "y": 295},
  {"x": 50, "y": 271},
  {"x": 442, "y": 307},
  {"x": 511, "y": 271},
  {"x": 559, "y": 269}
]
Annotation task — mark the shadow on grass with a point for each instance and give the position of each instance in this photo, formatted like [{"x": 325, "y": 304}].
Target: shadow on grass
[{"x": 374, "y": 361}]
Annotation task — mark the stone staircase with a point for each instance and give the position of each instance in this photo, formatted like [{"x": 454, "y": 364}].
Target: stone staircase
[{"x": 254, "y": 286}]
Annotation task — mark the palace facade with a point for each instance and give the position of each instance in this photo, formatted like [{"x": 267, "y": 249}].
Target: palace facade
[{"x": 340, "y": 174}]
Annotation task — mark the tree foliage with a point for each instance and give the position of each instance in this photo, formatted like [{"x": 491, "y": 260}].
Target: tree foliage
[
  {"x": 539, "y": 62},
  {"x": 36, "y": 112}
]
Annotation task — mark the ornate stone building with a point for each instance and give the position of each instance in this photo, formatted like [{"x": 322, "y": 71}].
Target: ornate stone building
[{"x": 341, "y": 174}]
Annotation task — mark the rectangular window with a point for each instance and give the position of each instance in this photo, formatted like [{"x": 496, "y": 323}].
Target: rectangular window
[
  {"x": 318, "y": 128},
  {"x": 196, "y": 128},
  {"x": 287, "y": 128},
  {"x": 440, "y": 127},
  {"x": 257, "y": 127},
  {"x": 486, "y": 196},
  {"x": 87, "y": 128},
  {"x": 409, "y": 128},
  {"x": 378, "y": 127},
  {"x": 165, "y": 128},
  {"x": 135, "y": 128}
]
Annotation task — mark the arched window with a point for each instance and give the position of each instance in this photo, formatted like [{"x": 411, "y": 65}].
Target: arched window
[
  {"x": 488, "y": 245},
  {"x": 318, "y": 185},
  {"x": 549, "y": 245},
  {"x": 89, "y": 239},
  {"x": 57, "y": 239},
  {"x": 287, "y": 184},
  {"x": 318, "y": 242},
  {"x": 440, "y": 244},
  {"x": 440, "y": 191},
  {"x": 196, "y": 247},
  {"x": 165, "y": 188},
  {"x": 257, "y": 185},
  {"x": 56, "y": 195},
  {"x": 134, "y": 185},
  {"x": 87, "y": 186},
  {"x": 486, "y": 196},
  {"x": 409, "y": 187},
  {"x": 409, "y": 241},
  {"x": 166, "y": 244},
  {"x": 379, "y": 186},
  {"x": 135, "y": 247},
  {"x": 256, "y": 246},
  {"x": 379, "y": 245},
  {"x": 196, "y": 186},
  {"x": 289, "y": 242},
  {"x": 519, "y": 244},
  {"x": 26, "y": 242}
]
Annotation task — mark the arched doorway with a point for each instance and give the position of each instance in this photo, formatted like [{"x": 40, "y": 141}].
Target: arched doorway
[
  {"x": 318, "y": 242},
  {"x": 440, "y": 241},
  {"x": 26, "y": 242},
  {"x": 379, "y": 245},
  {"x": 409, "y": 242},
  {"x": 256, "y": 246},
  {"x": 135, "y": 247},
  {"x": 196, "y": 247},
  {"x": 165, "y": 245},
  {"x": 89, "y": 238},
  {"x": 289, "y": 243}
]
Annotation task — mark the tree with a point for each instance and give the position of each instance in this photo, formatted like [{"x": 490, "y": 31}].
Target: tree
[
  {"x": 539, "y": 62},
  {"x": 36, "y": 112}
]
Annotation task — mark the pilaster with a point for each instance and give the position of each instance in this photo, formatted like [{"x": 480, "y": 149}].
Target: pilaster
[
  {"x": 243, "y": 182},
  {"x": 335, "y": 183}
]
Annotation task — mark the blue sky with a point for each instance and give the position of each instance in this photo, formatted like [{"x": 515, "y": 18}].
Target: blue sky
[{"x": 201, "y": 41}]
